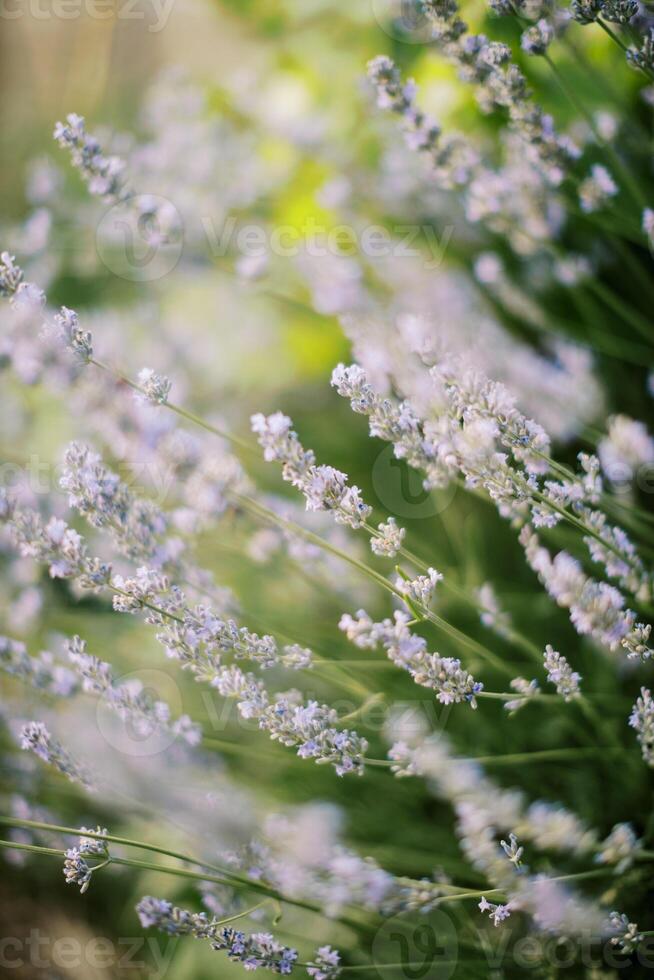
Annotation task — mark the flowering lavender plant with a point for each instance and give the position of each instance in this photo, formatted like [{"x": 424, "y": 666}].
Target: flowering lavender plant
[{"x": 333, "y": 458}]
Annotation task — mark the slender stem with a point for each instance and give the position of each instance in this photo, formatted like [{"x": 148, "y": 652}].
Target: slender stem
[
  {"x": 124, "y": 841},
  {"x": 225, "y": 878},
  {"x": 397, "y": 966},
  {"x": 618, "y": 40},
  {"x": 241, "y": 915},
  {"x": 178, "y": 409},
  {"x": 543, "y": 755}
]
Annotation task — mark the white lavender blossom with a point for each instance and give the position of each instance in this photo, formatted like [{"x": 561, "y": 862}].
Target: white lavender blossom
[
  {"x": 596, "y": 608},
  {"x": 36, "y": 737},
  {"x": 484, "y": 808},
  {"x": 11, "y": 275},
  {"x": 103, "y": 175},
  {"x": 324, "y": 487},
  {"x": 642, "y": 58},
  {"x": 259, "y": 950},
  {"x": 500, "y": 83},
  {"x": 560, "y": 673},
  {"x": 27, "y": 297},
  {"x": 76, "y": 869},
  {"x": 626, "y": 447},
  {"x": 627, "y": 938},
  {"x": 297, "y": 657},
  {"x": 451, "y": 157},
  {"x": 492, "y": 615},
  {"x": 535, "y": 40},
  {"x": 325, "y": 964},
  {"x": 397, "y": 424},
  {"x": 78, "y": 341},
  {"x": 445, "y": 675},
  {"x": 310, "y": 727},
  {"x": 479, "y": 414},
  {"x": 620, "y": 848},
  {"x": 163, "y": 915},
  {"x": 596, "y": 189},
  {"x": 526, "y": 691},
  {"x": 420, "y": 589},
  {"x": 586, "y": 11},
  {"x": 619, "y": 11},
  {"x": 155, "y": 387},
  {"x": 642, "y": 720},
  {"x": 552, "y": 827},
  {"x": 197, "y": 636},
  {"x": 55, "y": 544},
  {"x": 513, "y": 850},
  {"x": 139, "y": 591},
  {"x": 129, "y": 700},
  {"x": 389, "y": 541},
  {"x": 100, "y": 496},
  {"x": 496, "y": 913},
  {"x": 45, "y": 672}
]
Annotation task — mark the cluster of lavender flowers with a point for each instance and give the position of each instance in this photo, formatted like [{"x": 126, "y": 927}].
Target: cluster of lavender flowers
[
  {"x": 407, "y": 650},
  {"x": 463, "y": 438},
  {"x": 197, "y": 638},
  {"x": 324, "y": 487},
  {"x": 36, "y": 738},
  {"x": 484, "y": 810},
  {"x": 104, "y": 175},
  {"x": 77, "y": 870},
  {"x": 255, "y": 951},
  {"x": 44, "y": 673},
  {"x": 500, "y": 83},
  {"x": 129, "y": 700}
]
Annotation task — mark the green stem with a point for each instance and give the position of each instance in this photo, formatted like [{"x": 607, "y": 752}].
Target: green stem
[
  {"x": 226, "y": 877},
  {"x": 543, "y": 755},
  {"x": 241, "y": 915},
  {"x": 178, "y": 409}
]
